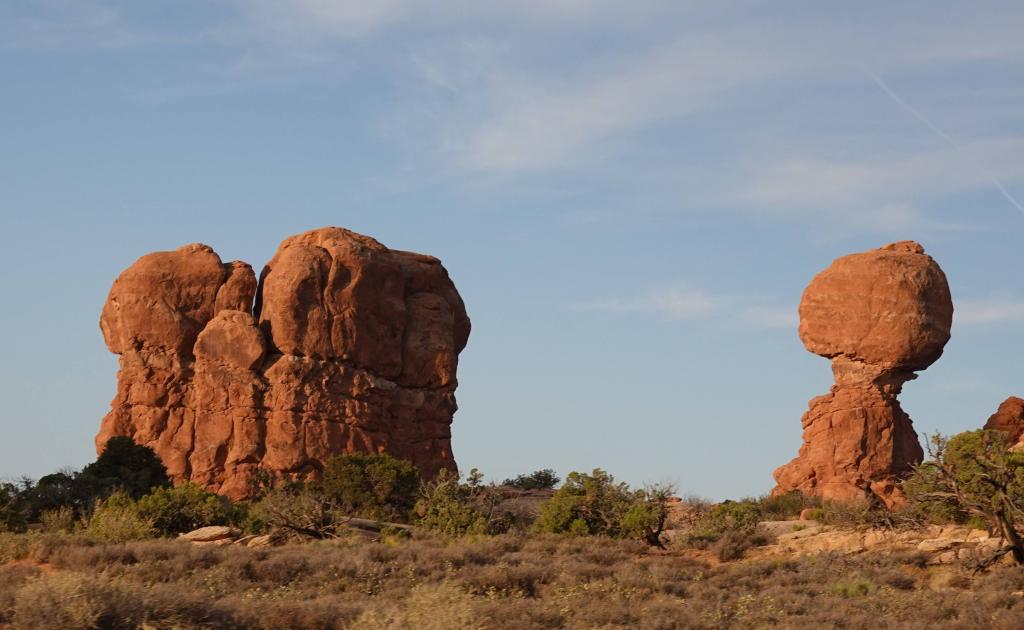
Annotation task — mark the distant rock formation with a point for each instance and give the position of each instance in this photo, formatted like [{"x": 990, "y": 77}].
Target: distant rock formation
[
  {"x": 879, "y": 316},
  {"x": 349, "y": 346},
  {"x": 1009, "y": 419}
]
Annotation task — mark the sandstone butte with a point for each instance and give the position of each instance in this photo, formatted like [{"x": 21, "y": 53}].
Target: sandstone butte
[
  {"x": 343, "y": 345},
  {"x": 879, "y": 316},
  {"x": 1009, "y": 419}
]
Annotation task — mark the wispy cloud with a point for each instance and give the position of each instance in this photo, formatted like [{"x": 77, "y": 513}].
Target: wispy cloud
[
  {"x": 552, "y": 123},
  {"x": 770, "y": 317},
  {"x": 673, "y": 303},
  {"x": 693, "y": 106},
  {"x": 991, "y": 310},
  {"x": 677, "y": 303}
]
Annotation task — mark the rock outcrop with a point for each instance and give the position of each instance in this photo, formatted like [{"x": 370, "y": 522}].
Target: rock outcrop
[
  {"x": 342, "y": 346},
  {"x": 1009, "y": 419},
  {"x": 879, "y": 316}
]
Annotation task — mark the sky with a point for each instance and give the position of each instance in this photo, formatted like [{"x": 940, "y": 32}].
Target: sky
[{"x": 630, "y": 197}]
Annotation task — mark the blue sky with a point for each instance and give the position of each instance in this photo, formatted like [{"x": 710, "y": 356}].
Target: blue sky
[{"x": 630, "y": 197}]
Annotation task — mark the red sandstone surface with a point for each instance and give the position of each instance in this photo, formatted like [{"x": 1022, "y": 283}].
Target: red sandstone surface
[
  {"x": 342, "y": 346},
  {"x": 879, "y": 316},
  {"x": 1009, "y": 419}
]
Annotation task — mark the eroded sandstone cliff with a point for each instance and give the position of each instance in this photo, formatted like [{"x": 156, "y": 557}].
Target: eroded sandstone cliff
[{"x": 343, "y": 345}]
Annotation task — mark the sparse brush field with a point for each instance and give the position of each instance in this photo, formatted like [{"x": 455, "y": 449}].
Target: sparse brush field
[{"x": 508, "y": 581}]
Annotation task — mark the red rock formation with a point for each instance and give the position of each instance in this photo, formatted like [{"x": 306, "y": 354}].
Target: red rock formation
[
  {"x": 351, "y": 347},
  {"x": 879, "y": 316},
  {"x": 1009, "y": 419}
]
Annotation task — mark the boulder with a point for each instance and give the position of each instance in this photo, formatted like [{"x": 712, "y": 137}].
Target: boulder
[
  {"x": 266, "y": 540},
  {"x": 1009, "y": 419},
  {"x": 879, "y": 316},
  {"x": 213, "y": 533},
  {"x": 342, "y": 346}
]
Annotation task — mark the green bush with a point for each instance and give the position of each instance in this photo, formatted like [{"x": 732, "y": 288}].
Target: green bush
[
  {"x": 446, "y": 507},
  {"x": 55, "y": 491},
  {"x": 544, "y": 479},
  {"x": 586, "y": 505},
  {"x": 183, "y": 508},
  {"x": 299, "y": 510},
  {"x": 374, "y": 485},
  {"x": 123, "y": 466},
  {"x": 737, "y": 517},
  {"x": 973, "y": 475},
  {"x": 787, "y": 506},
  {"x": 58, "y": 520},
  {"x": 117, "y": 520},
  {"x": 595, "y": 504}
]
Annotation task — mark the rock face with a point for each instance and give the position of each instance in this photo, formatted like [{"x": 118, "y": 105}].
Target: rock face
[
  {"x": 879, "y": 316},
  {"x": 342, "y": 346},
  {"x": 1009, "y": 419}
]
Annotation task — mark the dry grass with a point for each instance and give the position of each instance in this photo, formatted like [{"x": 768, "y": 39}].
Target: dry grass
[{"x": 499, "y": 582}]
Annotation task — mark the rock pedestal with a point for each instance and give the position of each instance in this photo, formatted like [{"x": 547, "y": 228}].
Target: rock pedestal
[
  {"x": 880, "y": 316},
  {"x": 342, "y": 346}
]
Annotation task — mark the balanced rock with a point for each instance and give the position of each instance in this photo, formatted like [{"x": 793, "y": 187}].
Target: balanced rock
[
  {"x": 342, "y": 346},
  {"x": 1009, "y": 419},
  {"x": 879, "y": 316}
]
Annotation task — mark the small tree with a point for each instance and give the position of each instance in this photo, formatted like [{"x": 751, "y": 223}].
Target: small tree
[
  {"x": 374, "y": 485},
  {"x": 299, "y": 510},
  {"x": 645, "y": 519},
  {"x": 125, "y": 466},
  {"x": 595, "y": 504},
  {"x": 544, "y": 479},
  {"x": 975, "y": 473},
  {"x": 116, "y": 520},
  {"x": 183, "y": 508},
  {"x": 446, "y": 506}
]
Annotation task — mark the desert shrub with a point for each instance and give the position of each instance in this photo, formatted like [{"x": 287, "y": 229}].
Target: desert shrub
[
  {"x": 14, "y": 546},
  {"x": 70, "y": 601},
  {"x": 445, "y": 507},
  {"x": 299, "y": 510},
  {"x": 244, "y": 516},
  {"x": 924, "y": 490},
  {"x": 58, "y": 490},
  {"x": 57, "y": 520},
  {"x": 731, "y": 545},
  {"x": 586, "y": 505},
  {"x": 787, "y": 506},
  {"x": 740, "y": 517},
  {"x": 974, "y": 474},
  {"x": 646, "y": 516},
  {"x": 123, "y": 466},
  {"x": 544, "y": 479},
  {"x": 729, "y": 529},
  {"x": 853, "y": 586},
  {"x": 117, "y": 520},
  {"x": 183, "y": 508},
  {"x": 374, "y": 485},
  {"x": 12, "y": 516},
  {"x": 595, "y": 504},
  {"x": 430, "y": 607}
]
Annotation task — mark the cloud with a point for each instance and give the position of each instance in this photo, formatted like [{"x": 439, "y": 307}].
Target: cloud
[
  {"x": 552, "y": 123},
  {"x": 676, "y": 106},
  {"x": 677, "y": 303},
  {"x": 673, "y": 303},
  {"x": 991, "y": 310},
  {"x": 770, "y": 317}
]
